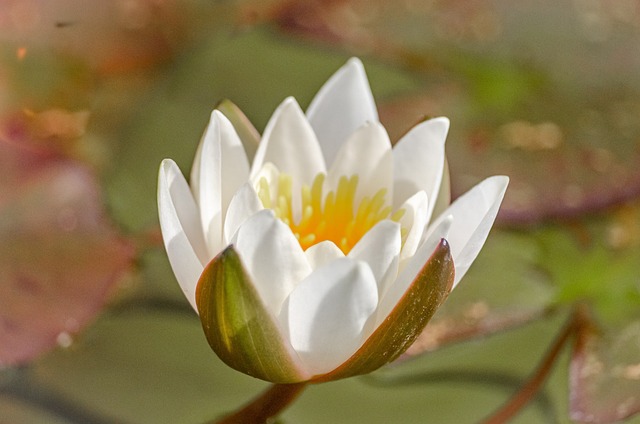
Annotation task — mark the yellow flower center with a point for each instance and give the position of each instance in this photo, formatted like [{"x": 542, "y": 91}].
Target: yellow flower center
[{"x": 336, "y": 219}]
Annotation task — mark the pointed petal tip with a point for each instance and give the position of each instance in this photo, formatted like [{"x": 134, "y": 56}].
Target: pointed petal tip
[
  {"x": 436, "y": 127},
  {"x": 219, "y": 120},
  {"x": 355, "y": 64},
  {"x": 287, "y": 108},
  {"x": 499, "y": 183},
  {"x": 223, "y": 103},
  {"x": 504, "y": 179},
  {"x": 443, "y": 253},
  {"x": 167, "y": 172},
  {"x": 290, "y": 101},
  {"x": 444, "y": 121},
  {"x": 167, "y": 164},
  {"x": 216, "y": 115},
  {"x": 285, "y": 105}
]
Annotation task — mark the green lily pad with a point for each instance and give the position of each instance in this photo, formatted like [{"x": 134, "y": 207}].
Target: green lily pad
[
  {"x": 592, "y": 272},
  {"x": 158, "y": 368},
  {"x": 503, "y": 289}
]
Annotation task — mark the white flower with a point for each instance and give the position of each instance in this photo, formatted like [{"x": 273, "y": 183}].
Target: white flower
[{"x": 327, "y": 254}]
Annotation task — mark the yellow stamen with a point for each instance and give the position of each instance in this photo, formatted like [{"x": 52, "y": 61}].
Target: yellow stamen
[{"x": 336, "y": 219}]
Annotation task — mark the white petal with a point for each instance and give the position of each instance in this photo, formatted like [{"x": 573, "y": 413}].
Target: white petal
[
  {"x": 235, "y": 165},
  {"x": 181, "y": 232},
  {"x": 414, "y": 221},
  {"x": 367, "y": 154},
  {"x": 418, "y": 160},
  {"x": 322, "y": 253},
  {"x": 444, "y": 193},
  {"x": 342, "y": 105},
  {"x": 473, "y": 215},
  {"x": 194, "y": 178},
  {"x": 244, "y": 204},
  {"x": 327, "y": 312},
  {"x": 223, "y": 169},
  {"x": 380, "y": 248},
  {"x": 272, "y": 257},
  {"x": 290, "y": 144},
  {"x": 410, "y": 269}
]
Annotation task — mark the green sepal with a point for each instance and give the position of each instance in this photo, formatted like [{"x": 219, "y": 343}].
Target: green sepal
[
  {"x": 406, "y": 321},
  {"x": 238, "y": 327},
  {"x": 249, "y": 136}
]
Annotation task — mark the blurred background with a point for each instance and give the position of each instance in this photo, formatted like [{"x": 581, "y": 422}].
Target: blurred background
[{"x": 93, "y": 326}]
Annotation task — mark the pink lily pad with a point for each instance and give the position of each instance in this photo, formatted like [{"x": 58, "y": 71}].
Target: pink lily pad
[
  {"x": 113, "y": 37},
  {"x": 60, "y": 257},
  {"x": 605, "y": 375}
]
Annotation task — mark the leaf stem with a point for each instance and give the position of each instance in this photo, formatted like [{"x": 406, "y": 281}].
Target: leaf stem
[
  {"x": 267, "y": 405},
  {"x": 577, "y": 323}
]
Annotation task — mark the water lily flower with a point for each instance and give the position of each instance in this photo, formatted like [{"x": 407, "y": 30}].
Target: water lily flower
[{"x": 321, "y": 251}]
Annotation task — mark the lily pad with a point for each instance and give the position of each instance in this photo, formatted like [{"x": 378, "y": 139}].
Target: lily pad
[
  {"x": 111, "y": 37},
  {"x": 193, "y": 386},
  {"x": 502, "y": 290},
  {"x": 605, "y": 375},
  {"x": 60, "y": 257},
  {"x": 584, "y": 269},
  {"x": 506, "y": 76}
]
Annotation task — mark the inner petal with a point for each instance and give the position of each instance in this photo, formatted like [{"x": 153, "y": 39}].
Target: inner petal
[{"x": 335, "y": 217}]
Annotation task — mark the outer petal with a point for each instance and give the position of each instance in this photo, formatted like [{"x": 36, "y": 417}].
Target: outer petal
[
  {"x": 473, "y": 215},
  {"x": 223, "y": 169},
  {"x": 244, "y": 204},
  {"x": 327, "y": 312},
  {"x": 239, "y": 327},
  {"x": 322, "y": 253},
  {"x": 342, "y": 105},
  {"x": 367, "y": 153},
  {"x": 290, "y": 144},
  {"x": 272, "y": 257},
  {"x": 419, "y": 161},
  {"x": 180, "y": 225},
  {"x": 380, "y": 248},
  {"x": 406, "y": 321}
]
